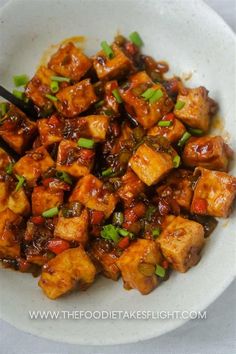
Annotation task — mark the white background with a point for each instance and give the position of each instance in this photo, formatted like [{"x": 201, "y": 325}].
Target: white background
[{"x": 216, "y": 335}]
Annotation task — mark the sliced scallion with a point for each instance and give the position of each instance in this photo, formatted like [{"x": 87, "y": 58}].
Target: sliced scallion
[
  {"x": 3, "y": 108},
  {"x": 108, "y": 172},
  {"x": 60, "y": 79},
  {"x": 179, "y": 105},
  {"x": 176, "y": 161},
  {"x": 107, "y": 49},
  {"x": 20, "y": 80},
  {"x": 54, "y": 86},
  {"x": 156, "y": 96},
  {"x": 21, "y": 181},
  {"x": 51, "y": 98},
  {"x": 18, "y": 94},
  {"x": 117, "y": 96},
  {"x": 197, "y": 132},
  {"x": 160, "y": 271},
  {"x": 185, "y": 137},
  {"x": 136, "y": 39},
  {"x": 165, "y": 123},
  {"x": 86, "y": 143},
  {"x": 50, "y": 213}
]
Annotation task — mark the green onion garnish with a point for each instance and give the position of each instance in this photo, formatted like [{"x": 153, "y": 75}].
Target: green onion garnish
[
  {"x": 54, "y": 86},
  {"x": 185, "y": 137},
  {"x": 197, "y": 132},
  {"x": 18, "y": 94},
  {"x": 176, "y": 161},
  {"x": 107, "y": 49},
  {"x": 64, "y": 177},
  {"x": 116, "y": 94},
  {"x": 123, "y": 232},
  {"x": 9, "y": 168},
  {"x": 20, "y": 80},
  {"x": 109, "y": 232},
  {"x": 51, "y": 98},
  {"x": 99, "y": 104},
  {"x": 86, "y": 143},
  {"x": 165, "y": 123},
  {"x": 118, "y": 218},
  {"x": 148, "y": 93},
  {"x": 156, "y": 232},
  {"x": 21, "y": 181},
  {"x": 179, "y": 105},
  {"x": 136, "y": 39},
  {"x": 108, "y": 172},
  {"x": 160, "y": 271},
  {"x": 156, "y": 96},
  {"x": 60, "y": 79},
  {"x": 3, "y": 108},
  {"x": 150, "y": 211},
  {"x": 50, "y": 212}
]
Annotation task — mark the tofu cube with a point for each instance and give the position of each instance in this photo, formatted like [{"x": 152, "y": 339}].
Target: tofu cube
[
  {"x": 5, "y": 159},
  {"x": 9, "y": 233},
  {"x": 16, "y": 201},
  {"x": 173, "y": 133},
  {"x": 90, "y": 192},
  {"x": 74, "y": 160},
  {"x": 33, "y": 165},
  {"x": 131, "y": 187},
  {"x": 17, "y": 130},
  {"x": 139, "y": 255},
  {"x": 69, "y": 61},
  {"x": 196, "y": 110},
  {"x": 214, "y": 193},
  {"x": 73, "y": 100},
  {"x": 210, "y": 152},
  {"x": 73, "y": 228},
  {"x": 105, "y": 257},
  {"x": 150, "y": 166},
  {"x": 39, "y": 86},
  {"x": 50, "y": 130},
  {"x": 113, "y": 68},
  {"x": 181, "y": 243},
  {"x": 95, "y": 127},
  {"x": 146, "y": 113},
  {"x": 69, "y": 269},
  {"x": 4, "y": 195},
  {"x": 45, "y": 198}
]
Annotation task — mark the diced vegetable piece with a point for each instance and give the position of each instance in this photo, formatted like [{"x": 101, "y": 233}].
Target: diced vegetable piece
[{"x": 58, "y": 246}]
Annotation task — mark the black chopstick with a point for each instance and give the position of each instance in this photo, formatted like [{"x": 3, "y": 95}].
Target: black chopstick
[{"x": 27, "y": 108}]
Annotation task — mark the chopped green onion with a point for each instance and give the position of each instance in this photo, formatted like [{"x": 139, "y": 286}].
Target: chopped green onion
[
  {"x": 86, "y": 143},
  {"x": 118, "y": 218},
  {"x": 156, "y": 96},
  {"x": 150, "y": 211},
  {"x": 108, "y": 172},
  {"x": 54, "y": 86},
  {"x": 51, "y": 98},
  {"x": 176, "y": 161},
  {"x": 185, "y": 137},
  {"x": 123, "y": 232},
  {"x": 60, "y": 79},
  {"x": 136, "y": 39},
  {"x": 148, "y": 93},
  {"x": 116, "y": 94},
  {"x": 64, "y": 177},
  {"x": 156, "y": 232},
  {"x": 197, "y": 132},
  {"x": 160, "y": 271},
  {"x": 21, "y": 181},
  {"x": 3, "y": 108},
  {"x": 109, "y": 232},
  {"x": 165, "y": 123},
  {"x": 20, "y": 80},
  {"x": 9, "y": 168},
  {"x": 50, "y": 212},
  {"x": 18, "y": 94},
  {"x": 179, "y": 105},
  {"x": 99, "y": 104},
  {"x": 108, "y": 112},
  {"x": 107, "y": 49}
]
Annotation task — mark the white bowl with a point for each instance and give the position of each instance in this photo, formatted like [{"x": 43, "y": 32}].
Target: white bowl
[{"x": 192, "y": 38}]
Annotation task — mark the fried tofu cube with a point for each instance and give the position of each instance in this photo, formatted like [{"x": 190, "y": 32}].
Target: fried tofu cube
[
  {"x": 150, "y": 166},
  {"x": 173, "y": 133},
  {"x": 137, "y": 265},
  {"x": 17, "y": 130},
  {"x": 181, "y": 243},
  {"x": 196, "y": 111},
  {"x": 73, "y": 228},
  {"x": 4, "y": 195},
  {"x": 214, "y": 193},
  {"x": 113, "y": 68},
  {"x": 131, "y": 187},
  {"x": 45, "y": 198},
  {"x": 95, "y": 127},
  {"x": 104, "y": 255},
  {"x": 73, "y": 100},
  {"x": 145, "y": 112},
  {"x": 91, "y": 192},
  {"x": 74, "y": 160},
  {"x": 9, "y": 233},
  {"x": 210, "y": 152},
  {"x": 18, "y": 202},
  {"x": 33, "y": 165},
  {"x": 69, "y": 269},
  {"x": 50, "y": 130},
  {"x": 5, "y": 160},
  {"x": 39, "y": 86},
  {"x": 69, "y": 61}
]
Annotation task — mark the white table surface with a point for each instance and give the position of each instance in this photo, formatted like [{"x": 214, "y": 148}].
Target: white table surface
[{"x": 216, "y": 335}]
